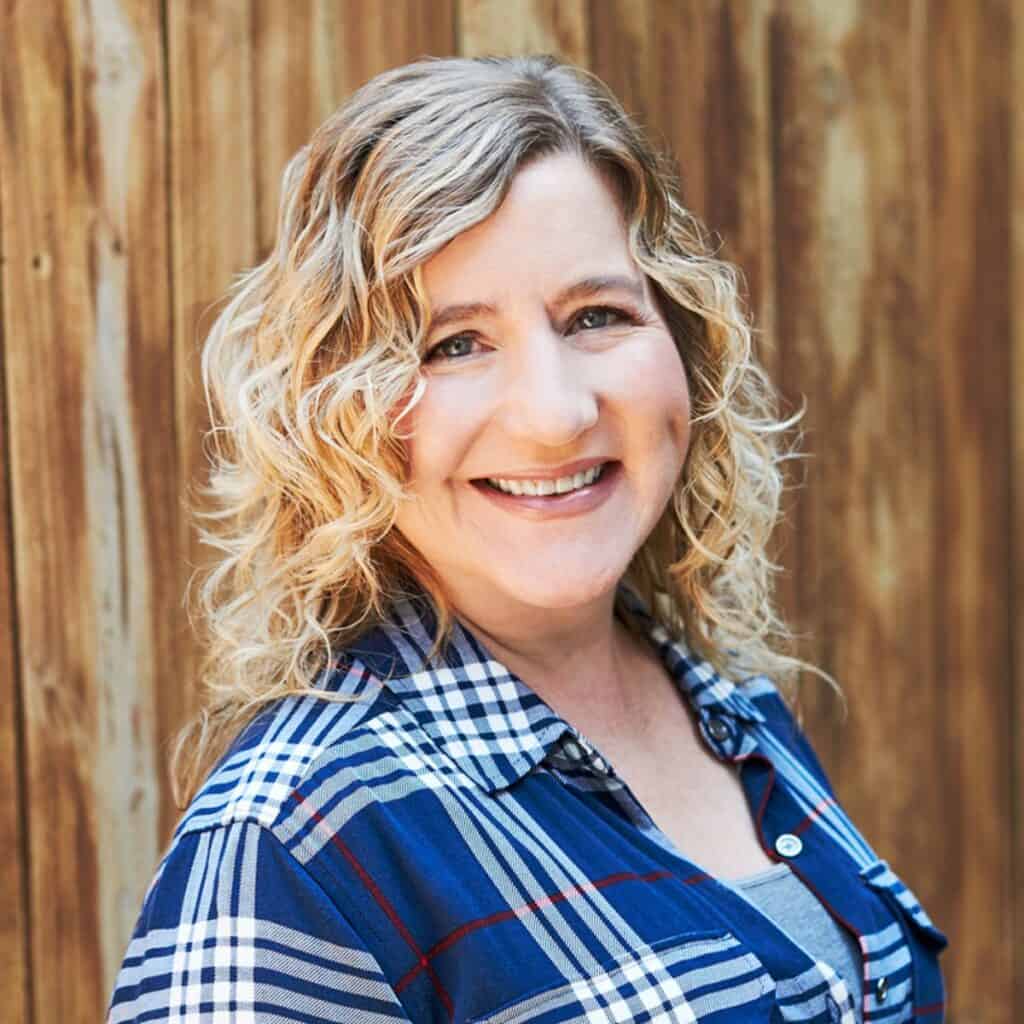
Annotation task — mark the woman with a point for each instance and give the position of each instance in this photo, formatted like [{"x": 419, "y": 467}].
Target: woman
[{"x": 494, "y": 730}]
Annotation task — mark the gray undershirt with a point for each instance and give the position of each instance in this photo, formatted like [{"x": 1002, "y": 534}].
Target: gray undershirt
[{"x": 780, "y": 895}]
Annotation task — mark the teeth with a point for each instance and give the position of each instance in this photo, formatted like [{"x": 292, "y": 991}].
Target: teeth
[{"x": 562, "y": 485}]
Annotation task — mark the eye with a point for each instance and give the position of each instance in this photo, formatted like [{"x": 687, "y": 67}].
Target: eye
[
  {"x": 591, "y": 318},
  {"x": 455, "y": 347},
  {"x": 595, "y": 317}
]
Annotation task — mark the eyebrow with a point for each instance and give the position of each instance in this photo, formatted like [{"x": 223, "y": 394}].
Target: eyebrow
[{"x": 583, "y": 289}]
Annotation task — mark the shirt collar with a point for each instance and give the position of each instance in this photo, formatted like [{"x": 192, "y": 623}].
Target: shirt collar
[{"x": 486, "y": 719}]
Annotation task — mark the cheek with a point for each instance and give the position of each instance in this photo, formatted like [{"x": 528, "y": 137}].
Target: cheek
[
  {"x": 402, "y": 421},
  {"x": 680, "y": 412},
  {"x": 428, "y": 439},
  {"x": 661, "y": 379}
]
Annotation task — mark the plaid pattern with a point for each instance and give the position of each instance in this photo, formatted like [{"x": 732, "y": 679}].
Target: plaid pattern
[{"x": 444, "y": 847}]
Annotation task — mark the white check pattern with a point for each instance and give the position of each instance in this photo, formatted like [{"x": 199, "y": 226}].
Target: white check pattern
[{"x": 444, "y": 847}]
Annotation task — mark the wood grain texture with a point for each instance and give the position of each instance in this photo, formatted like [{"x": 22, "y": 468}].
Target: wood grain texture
[
  {"x": 968, "y": 89},
  {"x": 88, "y": 411},
  {"x": 128, "y": 429},
  {"x": 799, "y": 138},
  {"x": 1016, "y": 546},
  {"x": 906, "y": 507},
  {"x": 15, "y": 938},
  {"x": 507, "y": 27},
  {"x": 370, "y": 38},
  {"x": 293, "y": 90},
  {"x": 890, "y": 169},
  {"x": 38, "y": 285}
]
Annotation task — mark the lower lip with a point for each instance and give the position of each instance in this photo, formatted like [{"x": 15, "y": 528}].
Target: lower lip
[{"x": 557, "y": 506}]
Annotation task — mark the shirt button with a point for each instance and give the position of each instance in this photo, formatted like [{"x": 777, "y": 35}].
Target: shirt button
[
  {"x": 882, "y": 989},
  {"x": 719, "y": 729},
  {"x": 788, "y": 845}
]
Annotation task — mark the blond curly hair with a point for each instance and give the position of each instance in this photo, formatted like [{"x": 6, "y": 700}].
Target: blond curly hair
[{"x": 321, "y": 341}]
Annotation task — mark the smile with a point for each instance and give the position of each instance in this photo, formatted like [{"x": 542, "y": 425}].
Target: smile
[
  {"x": 563, "y": 485},
  {"x": 553, "y": 498}
]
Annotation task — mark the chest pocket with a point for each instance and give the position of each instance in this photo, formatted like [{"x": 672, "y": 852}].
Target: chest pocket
[
  {"x": 686, "y": 978},
  {"x": 896, "y": 964}
]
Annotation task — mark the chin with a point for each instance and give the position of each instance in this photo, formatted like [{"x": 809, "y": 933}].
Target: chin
[{"x": 562, "y": 590}]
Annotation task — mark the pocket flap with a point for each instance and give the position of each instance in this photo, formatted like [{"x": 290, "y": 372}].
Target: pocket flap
[
  {"x": 883, "y": 879},
  {"x": 682, "y": 979}
]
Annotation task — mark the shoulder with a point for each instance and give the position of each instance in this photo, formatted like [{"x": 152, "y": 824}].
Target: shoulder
[
  {"x": 259, "y": 873},
  {"x": 233, "y": 923},
  {"x": 282, "y": 757}
]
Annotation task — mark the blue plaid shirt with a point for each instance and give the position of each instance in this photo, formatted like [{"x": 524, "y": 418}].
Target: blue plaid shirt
[{"x": 447, "y": 848}]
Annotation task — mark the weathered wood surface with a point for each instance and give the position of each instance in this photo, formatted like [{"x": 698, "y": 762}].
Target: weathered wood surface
[
  {"x": 14, "y": 818},
  {"x": 966, "y": 58},
  {"x": 90, "y": 457},
  {"x": 862, "y": 163},
  {"x": 524, "y": 26},
  {"x": 1015, "y": 217}
]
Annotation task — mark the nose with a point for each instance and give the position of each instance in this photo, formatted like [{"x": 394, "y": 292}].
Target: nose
[{"x": 549, "y": 397}]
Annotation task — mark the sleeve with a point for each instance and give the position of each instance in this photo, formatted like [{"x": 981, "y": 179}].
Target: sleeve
[{"x": 233, "y": 928}]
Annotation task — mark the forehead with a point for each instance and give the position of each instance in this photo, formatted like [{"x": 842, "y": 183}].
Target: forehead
[{"x": 560, "y": 221}]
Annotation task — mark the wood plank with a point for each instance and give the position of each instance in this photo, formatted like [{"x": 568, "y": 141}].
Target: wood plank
[
  {"x": 213, "y": 229},
  {"x": 967, "y": 85},
  {"x": 507, "y": 27},
  {"x": 36, "y": 285},
  {"x": 294, "y": 74},
  {"x": 92, "y": 497},
  {"x": 1016, "y": 542},
  {"x": 15, "y": 976},
  {"x": 799, "y": 168},
  {"x": 129, "y": 448},
  {"x": 370, "y": 37}
]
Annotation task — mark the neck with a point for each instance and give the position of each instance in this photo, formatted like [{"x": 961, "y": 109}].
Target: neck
[{"x": 573, "y": 659}]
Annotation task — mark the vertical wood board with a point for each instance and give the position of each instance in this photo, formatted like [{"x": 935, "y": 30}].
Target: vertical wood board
[
  {"x": 85, "y": 396},
  {"x": 967, "y": 76},
  {"x": 15, "y": 975}
]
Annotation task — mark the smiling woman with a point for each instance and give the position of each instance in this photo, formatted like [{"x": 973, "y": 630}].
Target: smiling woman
[{"x": 495, "y": 722}]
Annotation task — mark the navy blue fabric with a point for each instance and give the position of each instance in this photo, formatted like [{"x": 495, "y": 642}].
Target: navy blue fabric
[{"x": 434, "y": 843}]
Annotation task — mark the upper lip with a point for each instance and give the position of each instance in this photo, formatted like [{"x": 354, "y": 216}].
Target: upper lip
[{"x": 550, "y": 472}]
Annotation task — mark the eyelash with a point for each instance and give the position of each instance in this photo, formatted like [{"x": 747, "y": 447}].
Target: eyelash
[{"x": 621, "y": 314}]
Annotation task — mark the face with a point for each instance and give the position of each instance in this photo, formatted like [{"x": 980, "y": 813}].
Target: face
[{"x": 547, "y": 362}]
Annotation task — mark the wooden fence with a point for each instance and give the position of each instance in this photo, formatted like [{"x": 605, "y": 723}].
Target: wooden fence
[{"x": 864, "y": 164}]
